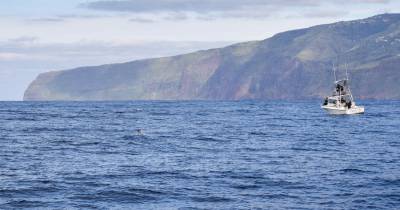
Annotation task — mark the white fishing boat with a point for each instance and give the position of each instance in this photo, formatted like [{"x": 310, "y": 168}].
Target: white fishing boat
[{"x": 341, "y": 102}]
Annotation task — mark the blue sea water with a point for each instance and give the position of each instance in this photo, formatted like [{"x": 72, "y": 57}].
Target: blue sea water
[{"x": 198, "y": 155}]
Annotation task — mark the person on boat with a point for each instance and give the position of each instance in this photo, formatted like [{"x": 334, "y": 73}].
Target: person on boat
[
  {"x": 326, "y": 101},
  {"x": 349, "y": 104},
  {"x": 337, "y": 88}
]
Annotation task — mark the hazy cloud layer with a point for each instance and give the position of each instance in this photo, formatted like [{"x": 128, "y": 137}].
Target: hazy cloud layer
[
  {"x": 14, "y": 52},
  {"x": 214, "y": 9},
  {"x": 207, "y": 6},
  {"x": 204, "y": 6},
  {"x": 93, "y": 52},
  {"x": 141, "y": 20},
  {"x": 63, "y": 18},
  {"x": 208, "y": 10}
]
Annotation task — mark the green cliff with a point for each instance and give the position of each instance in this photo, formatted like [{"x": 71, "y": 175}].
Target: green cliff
[{"x": 291, "y": 65}]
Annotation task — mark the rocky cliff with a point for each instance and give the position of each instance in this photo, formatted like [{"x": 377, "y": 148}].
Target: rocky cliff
[{"x": 291, "y": 65}]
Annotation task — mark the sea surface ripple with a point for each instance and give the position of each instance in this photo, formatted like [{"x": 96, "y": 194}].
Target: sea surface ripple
[{"x": 198, "y": 155}]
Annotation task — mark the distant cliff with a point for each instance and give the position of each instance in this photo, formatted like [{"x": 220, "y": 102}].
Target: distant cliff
[{"x": 290, "y": 65}]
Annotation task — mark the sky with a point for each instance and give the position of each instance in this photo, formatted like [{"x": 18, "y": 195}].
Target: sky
[{"x": 47, "y": 35}]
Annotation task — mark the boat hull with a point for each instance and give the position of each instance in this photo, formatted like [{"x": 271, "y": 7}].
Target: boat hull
[{"x": 343, "y": 110}]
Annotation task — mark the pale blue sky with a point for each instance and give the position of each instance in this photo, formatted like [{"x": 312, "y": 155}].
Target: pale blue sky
[{"x": 43, "y": 35}]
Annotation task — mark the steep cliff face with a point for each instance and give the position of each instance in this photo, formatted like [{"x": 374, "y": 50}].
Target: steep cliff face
[{"x": 290, "y": 65}]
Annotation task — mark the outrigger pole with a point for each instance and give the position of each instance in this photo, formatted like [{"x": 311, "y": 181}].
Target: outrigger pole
[{"x": 348, "y": 81}]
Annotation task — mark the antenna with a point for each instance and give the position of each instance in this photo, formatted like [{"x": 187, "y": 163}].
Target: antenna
[
  {"x": 334, "y": 71},
  {"x": 347, "y": 72}
]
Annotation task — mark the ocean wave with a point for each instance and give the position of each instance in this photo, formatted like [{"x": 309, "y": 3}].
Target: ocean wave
[{"x": 89, "y": 155}]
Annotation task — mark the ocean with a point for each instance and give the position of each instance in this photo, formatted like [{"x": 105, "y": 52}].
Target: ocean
[{"x": 198, "y": 155}]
